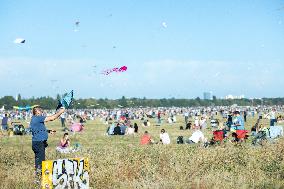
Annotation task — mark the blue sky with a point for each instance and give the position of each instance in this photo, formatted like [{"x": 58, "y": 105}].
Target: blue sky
[{"x": 227, "y": 47}]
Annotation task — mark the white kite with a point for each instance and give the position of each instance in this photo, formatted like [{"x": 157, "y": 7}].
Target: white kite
[
  {"x": 164, "y": 24},
  {"x": 19, "y": 40}
]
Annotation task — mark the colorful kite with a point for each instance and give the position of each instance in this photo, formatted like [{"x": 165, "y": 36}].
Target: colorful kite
[
  {"x": 117, "y": 70},
  {"x": 26, "y": 108},
  {"x": 65, "y": 101}
]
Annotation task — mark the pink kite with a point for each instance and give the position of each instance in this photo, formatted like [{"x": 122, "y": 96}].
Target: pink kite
[
  {"x": 109, "y": 71},
  {"x": 76, "y": 127}
]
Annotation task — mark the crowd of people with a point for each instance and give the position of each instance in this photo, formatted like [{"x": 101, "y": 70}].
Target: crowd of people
[{"x": 129, "y": 121}]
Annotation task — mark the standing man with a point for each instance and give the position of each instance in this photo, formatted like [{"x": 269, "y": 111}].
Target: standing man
[
  {"x": 186, "y": 114},
  {"x": 272, "y": 117},
  {"x": 159, "y": 117},
  {"x": 5, "y": 122},
  {"x": 63, "y": 118},
  {"x": 238, "y": 122},
  {"x": 245, "y": 115},
  {"x": 40, "y": 134}
]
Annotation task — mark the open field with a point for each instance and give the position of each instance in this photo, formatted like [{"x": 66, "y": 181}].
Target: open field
[{"x": 120, "y": 162}]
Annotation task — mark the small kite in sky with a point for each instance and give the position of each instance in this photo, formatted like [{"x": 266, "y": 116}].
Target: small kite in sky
[
  {"x": 109, "y": 71},
  {"x": 19, "y": 40},
  {"x": 77, "y": 23},
  {"x": 164, "y": 24}
]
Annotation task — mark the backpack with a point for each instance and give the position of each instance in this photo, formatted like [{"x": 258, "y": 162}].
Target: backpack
[{"x": 180, "y": 140}]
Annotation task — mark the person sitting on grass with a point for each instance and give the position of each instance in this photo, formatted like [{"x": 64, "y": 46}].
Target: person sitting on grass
[
  {"x": 65, "y": 141},
  {"x": 117, "y": 129},
  {"x": 235, "y": 138},
  {"x": 196, "y": 137},
  {"x": 261, "y": 135},
  {"x": 164, "y": 137},
  {"x": 188, "y": 125},
  {"x": 65, "y": 145},
  {"x": 123, "y": 128},
  {"x": 110, "y": 130},
  {"x": 135, "y": 128},
  {"x": 146, "y": 139},
  {"x": 130, "y": 130}
]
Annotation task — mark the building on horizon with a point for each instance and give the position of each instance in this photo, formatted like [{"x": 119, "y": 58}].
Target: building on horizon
[
  {"x": 231, "y": 97},
  {"x": 207, "y": 96}
]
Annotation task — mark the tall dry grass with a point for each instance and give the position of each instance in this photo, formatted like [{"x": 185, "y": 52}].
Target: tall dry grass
[{"x": 120, "y": 162}]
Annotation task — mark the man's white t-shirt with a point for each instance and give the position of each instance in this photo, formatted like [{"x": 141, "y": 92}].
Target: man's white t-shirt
[
  {"x": 272, "y": 115},
  {"x": 130, "y": 131},
  {"x": 170, "y": 120},
  {"x": 165, "y": 138},
  {"x": 197, "y": 136},
  {"x": 196, "y": 122},
  {"x": 203, "y": 123},
  {"x": 63, "y": 116}
]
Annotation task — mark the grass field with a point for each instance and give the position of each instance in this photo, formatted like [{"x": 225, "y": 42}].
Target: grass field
[{"x": 120, "y": 162}]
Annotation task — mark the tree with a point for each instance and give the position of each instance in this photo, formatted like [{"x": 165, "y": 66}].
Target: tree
[
  {"x": 9, "y": 102},
  {"x": 19, "y": 100},
  {"x": 123, "y": 101}
]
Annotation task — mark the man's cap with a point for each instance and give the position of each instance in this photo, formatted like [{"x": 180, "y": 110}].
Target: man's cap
[{"x": 236, "y": 112}]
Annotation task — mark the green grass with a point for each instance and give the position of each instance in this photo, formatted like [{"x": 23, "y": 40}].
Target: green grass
[{"x": 120, "y": 162}]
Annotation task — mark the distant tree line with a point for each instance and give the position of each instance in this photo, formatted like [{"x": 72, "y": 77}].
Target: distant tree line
[{"x": 90, "y": 103}]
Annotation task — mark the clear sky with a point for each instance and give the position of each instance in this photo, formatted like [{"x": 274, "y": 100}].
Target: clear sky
[{"x": 172, "y": 48}]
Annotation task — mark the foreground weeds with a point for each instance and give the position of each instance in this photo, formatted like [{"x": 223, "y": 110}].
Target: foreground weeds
[{"x": 120, "y": 162}]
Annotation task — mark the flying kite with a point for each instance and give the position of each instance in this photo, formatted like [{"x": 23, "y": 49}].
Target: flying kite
[
  {"x": 19, "y": 40},
  {"x": 20, "y": 108},
  {"x": 164, "y": 24},
  {"x": 65, "y": 101},
  {"x": 109, "y": 71},
  {"x": 77, "y": 23}
]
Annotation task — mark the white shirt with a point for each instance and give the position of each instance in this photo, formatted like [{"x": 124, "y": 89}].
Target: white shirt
[
  {"x": 272, "y": 115},
  {"x": 63, "y": 115},
  {"x": 165, "y": 138},
  {"x": 130, "y": 131},
  {"x": 196, "y": 122},
  {"x": 170, "y": 120},
  {"x": 174, "y": 119},
  {"x": 197, "y": 136},
  {"x": 203, "y": 122}
]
